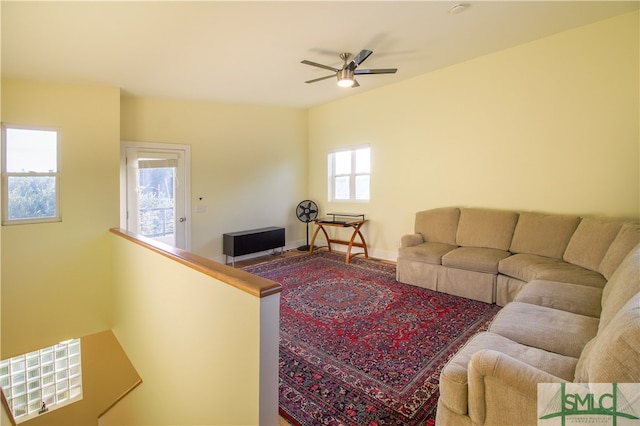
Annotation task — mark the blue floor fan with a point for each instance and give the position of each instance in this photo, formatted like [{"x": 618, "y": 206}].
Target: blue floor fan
[{"x": 307, "y": 211}]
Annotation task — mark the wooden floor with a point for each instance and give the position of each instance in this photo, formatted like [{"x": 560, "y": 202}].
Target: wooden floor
[{"x": 283, "y": 422}]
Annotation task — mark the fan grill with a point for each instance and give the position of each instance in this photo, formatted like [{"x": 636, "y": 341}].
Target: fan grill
[{"x": 306, "y": 211}]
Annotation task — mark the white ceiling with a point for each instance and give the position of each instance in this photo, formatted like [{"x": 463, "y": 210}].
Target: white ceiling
[{"x": 250, "y": 52}]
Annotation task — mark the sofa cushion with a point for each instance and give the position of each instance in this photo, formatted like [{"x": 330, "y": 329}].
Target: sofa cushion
[
  {"x": 529, "y": 267},
  {"x": 545, "y": 328},
  {"x": 627, "y": 239},
  {"x": 438, "y": 225},
  {"x": 612, "y": 356},
  {"x": 454, "y": 381},
  {"x": 426, "y": 252},
  {"x": 486, "y": 228},
  {"x": 590, "y": 242},
  {"x": 575, "y": 298},
  {"x": 475, "y": 259},
  {"x": 543, "y": 234},
  {"x": 624, "y": 283}
]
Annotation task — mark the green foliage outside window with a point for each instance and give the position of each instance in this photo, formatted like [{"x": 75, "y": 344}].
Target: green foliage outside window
[
  {"x": 31, "y": 197},
  {"x": 157, "y": 215}
]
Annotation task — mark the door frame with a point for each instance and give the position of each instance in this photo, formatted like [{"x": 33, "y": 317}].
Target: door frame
[{"x": 185, "y": 150}]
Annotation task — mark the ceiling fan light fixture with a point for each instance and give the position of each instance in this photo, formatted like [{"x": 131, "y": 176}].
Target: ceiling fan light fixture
[{"x": 345, "y": 77}]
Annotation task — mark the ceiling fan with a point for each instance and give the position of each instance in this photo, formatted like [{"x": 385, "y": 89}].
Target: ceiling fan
[{"x": 346, "y": 75}]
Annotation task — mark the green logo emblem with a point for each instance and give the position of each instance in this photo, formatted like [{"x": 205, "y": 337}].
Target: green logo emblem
[{"x": 581, "y": 406}]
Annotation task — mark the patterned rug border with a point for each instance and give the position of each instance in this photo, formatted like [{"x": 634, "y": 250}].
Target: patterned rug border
[{"x": 333, "y": 256}]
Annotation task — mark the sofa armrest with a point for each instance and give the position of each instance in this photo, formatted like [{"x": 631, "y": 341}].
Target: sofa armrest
[
  {"x": 411, "y": 240},
  {"x": 504, "y": 390}
]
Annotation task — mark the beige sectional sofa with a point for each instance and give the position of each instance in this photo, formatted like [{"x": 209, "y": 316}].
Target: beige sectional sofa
[
  {"x": 570, "y": 288},
  {"x": 491, "y": 255},
  {"x": 553, "y": 332}
]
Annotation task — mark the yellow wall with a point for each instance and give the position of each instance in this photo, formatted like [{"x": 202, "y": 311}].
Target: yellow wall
[
  {"x": 194, "y": 340},
  {"x": 5, "y": 418},
  {"x": 551, "y": 126},
  {"x": 248, "y": 163},
  {"x": 56, "y": 277}
]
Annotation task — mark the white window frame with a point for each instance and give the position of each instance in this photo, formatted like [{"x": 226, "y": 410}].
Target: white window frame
[
  {"x": 57, "y": 217},
  {"x": 332, "y": 175}
]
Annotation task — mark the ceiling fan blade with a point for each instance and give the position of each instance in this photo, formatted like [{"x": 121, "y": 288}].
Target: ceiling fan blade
[
  {"x": 315, "y": 64},
  {"x": 321, "y": 78},
  {"x": 376, "y": 71},
  {"x": 360, "y": 57}
]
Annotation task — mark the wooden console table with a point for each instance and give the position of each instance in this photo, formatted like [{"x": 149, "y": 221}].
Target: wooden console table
[{"x": 342, "y": 220}]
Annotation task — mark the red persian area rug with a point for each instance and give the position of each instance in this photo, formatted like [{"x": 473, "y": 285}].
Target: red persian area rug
[{"x": 359, "y": 348}]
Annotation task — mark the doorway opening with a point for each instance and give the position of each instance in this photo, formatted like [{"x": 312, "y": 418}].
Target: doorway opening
[{"x": 155, "y": 192}]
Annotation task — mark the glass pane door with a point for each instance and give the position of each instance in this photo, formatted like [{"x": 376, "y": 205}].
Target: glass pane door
[
  {"x": 156, "y": 198},
  {"x": 157, "y": 193}
]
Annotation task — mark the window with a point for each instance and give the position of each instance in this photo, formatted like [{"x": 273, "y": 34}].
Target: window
[
  {"x": 349, "y": 174},
  {"x": 30, "y": 175},
  {"x": 38, "y": 381}
]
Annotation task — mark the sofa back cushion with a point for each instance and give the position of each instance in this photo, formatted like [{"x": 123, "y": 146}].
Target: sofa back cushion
[
  {"x": 623, "y": 284},
  {"x": 438, "y": 225},
  {"x": 612, "y": 355},
  {"x": 486, "y": 228},
  {"x": 590, "y": 242},
  {"x": 625, "y": 241},
  {"x": 543, "y": 234}
]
